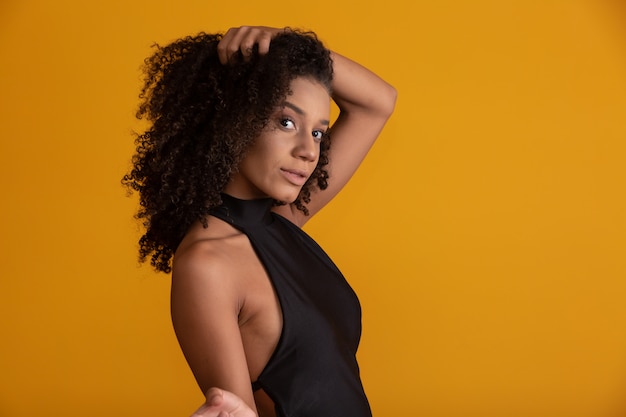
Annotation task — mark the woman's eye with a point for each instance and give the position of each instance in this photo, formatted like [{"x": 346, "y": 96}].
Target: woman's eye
[
  {"x": 318, "y": 134},
  {"x": 287, "y": 123}
]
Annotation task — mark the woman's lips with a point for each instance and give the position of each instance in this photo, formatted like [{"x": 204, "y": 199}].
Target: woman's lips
[{"x": 295, "y": 176}]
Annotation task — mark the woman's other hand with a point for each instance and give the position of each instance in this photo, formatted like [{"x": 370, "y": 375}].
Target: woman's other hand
[{"x": 220, "y": 403}]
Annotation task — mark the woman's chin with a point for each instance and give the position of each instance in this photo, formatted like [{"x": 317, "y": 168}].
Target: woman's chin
[{"x": 286, "y": 198}]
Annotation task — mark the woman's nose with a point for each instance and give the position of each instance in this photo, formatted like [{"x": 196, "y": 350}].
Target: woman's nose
[{"x": 307, "y": 147}]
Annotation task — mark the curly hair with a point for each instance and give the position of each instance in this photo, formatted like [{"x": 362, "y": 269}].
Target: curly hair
[{"x": 203, "y": 116}]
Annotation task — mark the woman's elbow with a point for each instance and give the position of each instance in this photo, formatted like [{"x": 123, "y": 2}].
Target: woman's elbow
[{"x": 387, "y": 100}]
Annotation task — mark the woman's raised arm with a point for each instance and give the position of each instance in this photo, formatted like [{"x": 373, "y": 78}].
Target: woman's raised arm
[{"x": 365, "y": 102}]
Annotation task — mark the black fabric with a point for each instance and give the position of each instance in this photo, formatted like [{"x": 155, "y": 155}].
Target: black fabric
[{"x": 313, "y": 371}]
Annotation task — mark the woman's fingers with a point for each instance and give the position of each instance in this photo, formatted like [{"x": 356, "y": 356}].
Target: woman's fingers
[
  {"x": 263, "y": 39},
  {"x": 243, "y": 39}
]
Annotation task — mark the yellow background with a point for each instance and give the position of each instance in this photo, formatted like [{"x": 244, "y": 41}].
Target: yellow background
[{"x": 485, "y": 234}]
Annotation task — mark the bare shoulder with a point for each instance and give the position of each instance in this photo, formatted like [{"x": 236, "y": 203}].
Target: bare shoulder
[{"x": 206, "y": 259}]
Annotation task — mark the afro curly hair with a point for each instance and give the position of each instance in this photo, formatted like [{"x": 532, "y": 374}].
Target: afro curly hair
[{"x": 203, "y": 116}]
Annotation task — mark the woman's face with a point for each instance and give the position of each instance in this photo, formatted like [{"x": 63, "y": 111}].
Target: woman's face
[{"x": 284, "y": 156}]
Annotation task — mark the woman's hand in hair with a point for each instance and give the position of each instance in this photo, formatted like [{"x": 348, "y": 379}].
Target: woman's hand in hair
[
  {"x": 220, "y": 403},
  {"x": 243, "y": 39}
]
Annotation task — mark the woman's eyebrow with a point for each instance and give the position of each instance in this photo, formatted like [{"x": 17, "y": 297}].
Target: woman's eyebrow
[{"x": 302, "y": 112}]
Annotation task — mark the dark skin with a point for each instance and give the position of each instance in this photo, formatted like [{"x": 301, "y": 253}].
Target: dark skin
[{"x": 224, "y": 309}]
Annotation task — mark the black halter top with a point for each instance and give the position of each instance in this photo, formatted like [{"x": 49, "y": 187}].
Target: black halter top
[{"x": 313, "y": 372}]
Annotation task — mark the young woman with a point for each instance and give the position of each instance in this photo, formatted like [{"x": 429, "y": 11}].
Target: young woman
[{"x": 238, "y": 156}]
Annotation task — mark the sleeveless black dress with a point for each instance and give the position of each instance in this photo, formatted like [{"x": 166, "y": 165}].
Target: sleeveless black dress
[{"x": 313, "y": 372}]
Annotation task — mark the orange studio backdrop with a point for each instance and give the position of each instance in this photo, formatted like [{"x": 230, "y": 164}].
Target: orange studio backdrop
[{"x": 485, "y": 233}]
